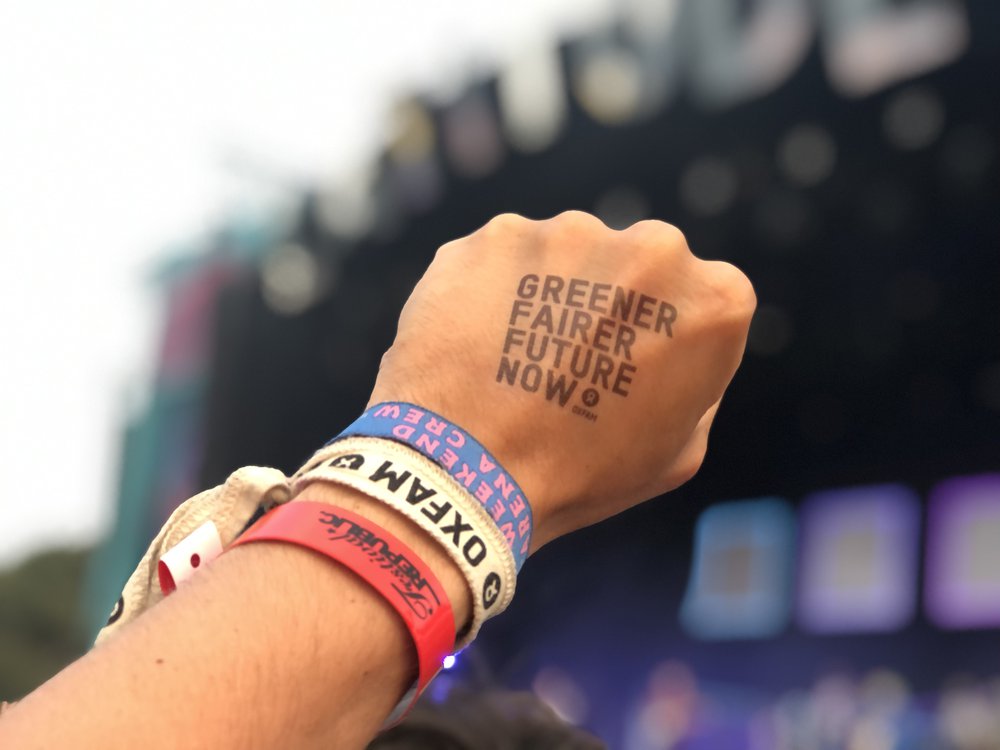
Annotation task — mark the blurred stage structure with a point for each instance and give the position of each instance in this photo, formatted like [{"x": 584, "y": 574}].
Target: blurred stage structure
[{"x": 836, "y": 563}]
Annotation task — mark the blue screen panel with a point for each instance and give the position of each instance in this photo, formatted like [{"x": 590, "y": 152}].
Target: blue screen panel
[{"x": 741, "y": 574}]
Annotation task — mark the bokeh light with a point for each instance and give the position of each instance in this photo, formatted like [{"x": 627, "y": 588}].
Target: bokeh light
[
  {"x": 914, "y": 118},
  {"x": 291, "y": 279},
  {"x": 708, "y": 186},
  {"x": 608, "y": 84},
  {"x": 622, "y": 206},
  {"x": 807, "y": 155},
  {"x": 532, "y": 96},
  {"x": 557, "y": 689}
]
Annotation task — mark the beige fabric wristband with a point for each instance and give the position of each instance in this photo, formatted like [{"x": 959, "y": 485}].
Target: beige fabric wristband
[{"x": 223, "y": 511}]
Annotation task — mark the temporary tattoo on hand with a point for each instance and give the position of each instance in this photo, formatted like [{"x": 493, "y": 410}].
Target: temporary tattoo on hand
[{"x": 575, "y": 336}]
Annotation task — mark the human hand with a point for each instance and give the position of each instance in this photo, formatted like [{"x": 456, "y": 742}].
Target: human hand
[{"x": 589, "y": 361}]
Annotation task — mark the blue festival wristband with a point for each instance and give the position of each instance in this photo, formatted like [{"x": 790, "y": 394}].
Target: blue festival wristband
[{"x": 462, "y": 456}]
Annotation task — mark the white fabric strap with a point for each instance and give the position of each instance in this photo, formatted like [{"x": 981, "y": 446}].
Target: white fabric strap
[
  {"x": 218, "y": 515},
  {"x": 422, "y": 491}
]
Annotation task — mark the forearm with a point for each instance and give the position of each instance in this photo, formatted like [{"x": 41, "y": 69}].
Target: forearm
[
  {"x": 270, "y": 646},
  {"x": 275, "y": 646}
]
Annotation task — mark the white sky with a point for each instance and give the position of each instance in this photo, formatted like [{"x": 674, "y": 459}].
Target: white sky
[{"x": 116, "y": 121}]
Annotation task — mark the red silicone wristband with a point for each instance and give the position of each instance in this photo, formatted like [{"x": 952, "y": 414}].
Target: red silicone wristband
[{"x": 382, "y": 560}]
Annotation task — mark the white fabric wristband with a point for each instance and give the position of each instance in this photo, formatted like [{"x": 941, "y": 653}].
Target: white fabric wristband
[
  {"x": 422, "y": 491},
  {"x": 197, "y": 530}
]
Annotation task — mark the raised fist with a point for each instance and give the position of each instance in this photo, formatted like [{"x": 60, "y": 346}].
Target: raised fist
[{"x": 589, "y": 361}]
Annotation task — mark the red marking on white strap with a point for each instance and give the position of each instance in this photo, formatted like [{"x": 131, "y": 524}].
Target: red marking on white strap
[{"x": 182, "y": 560}]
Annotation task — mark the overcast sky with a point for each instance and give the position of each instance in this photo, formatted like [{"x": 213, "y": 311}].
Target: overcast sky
[{"x": 117, "y": 120}]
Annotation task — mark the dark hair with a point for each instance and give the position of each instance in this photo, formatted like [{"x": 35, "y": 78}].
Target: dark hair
[{"x": 485, "y": 720}]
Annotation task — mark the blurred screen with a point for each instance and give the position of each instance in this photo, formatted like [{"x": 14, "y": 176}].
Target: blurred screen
[
  {"x": 741, "y": 571},
  {"x": 858, "y": 564},
  {"x": 963, "y": 561}
]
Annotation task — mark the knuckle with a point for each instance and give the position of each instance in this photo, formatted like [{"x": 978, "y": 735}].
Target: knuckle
[
  {"x": 448, "y": 248},
  {"x": 658, "y": 234},
  {"x": 506, "y": 222},
  {"x": 500, "y": 229},
  {"x": 578, "y": 221},
  {"x": 733, "y": 287}
]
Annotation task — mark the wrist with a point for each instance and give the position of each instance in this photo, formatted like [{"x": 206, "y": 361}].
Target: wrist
[{"x": 473, "y": 465}]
